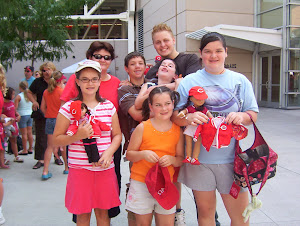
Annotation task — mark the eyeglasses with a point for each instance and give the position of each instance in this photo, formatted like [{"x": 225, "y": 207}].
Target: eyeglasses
[
  {"x": 27, "y": 71},
  {"x": 99, "y": 57},
  {"x": 86, "y": 80}
]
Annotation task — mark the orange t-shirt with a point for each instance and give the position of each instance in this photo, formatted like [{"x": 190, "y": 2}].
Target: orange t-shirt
[
  {"x": 52, "y": 102},
  {"x": 162, "y": 143}
]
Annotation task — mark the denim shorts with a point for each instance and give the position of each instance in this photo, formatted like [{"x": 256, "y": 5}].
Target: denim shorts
[
  {"x": 50, "y": 124},
  {"x": 25, "y": 121}
]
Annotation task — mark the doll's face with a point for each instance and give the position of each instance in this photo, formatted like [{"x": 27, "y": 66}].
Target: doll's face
[
  {"x": 83, "y": 112},
  {"x": 197, "y": 102}
]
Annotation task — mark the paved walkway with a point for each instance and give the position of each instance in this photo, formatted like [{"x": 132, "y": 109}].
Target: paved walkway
[{"x": 30, "y": 201}]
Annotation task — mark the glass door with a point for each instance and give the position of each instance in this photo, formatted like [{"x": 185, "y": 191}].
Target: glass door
[{"x": 269, "y": 85}]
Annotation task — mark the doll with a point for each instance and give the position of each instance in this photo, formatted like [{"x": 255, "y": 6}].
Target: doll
[
  {"x": 81, "y": 113},
  {"x": 197, "y": 96}
]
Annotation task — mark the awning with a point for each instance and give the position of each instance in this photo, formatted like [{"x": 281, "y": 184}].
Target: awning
[
  {"x": 72, "y": 68},
  {"x": 241, "y": 36}
]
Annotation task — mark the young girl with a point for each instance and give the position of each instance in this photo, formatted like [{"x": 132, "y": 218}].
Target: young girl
[
  {"x": 166, "y": 75},
  {"x": 156, "y": 140},
  {"x": 24, "y": 108},
  {"x": 9, "y": 111},
  {"x": 90, "y": 185},
  {"x": 50, "y": 106},
  {"x": 230, "y": 94}
]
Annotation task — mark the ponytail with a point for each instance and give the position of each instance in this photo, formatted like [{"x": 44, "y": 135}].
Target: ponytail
[
  {"x": 56, "y": 75},
  {"x": 24, "y": 85}
]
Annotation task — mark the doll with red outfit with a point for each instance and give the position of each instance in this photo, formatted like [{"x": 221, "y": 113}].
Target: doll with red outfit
[
  {"x": 82, "y": 114},
  {"x": 197, "y": 96}
]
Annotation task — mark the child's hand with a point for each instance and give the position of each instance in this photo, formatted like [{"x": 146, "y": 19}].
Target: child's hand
[
  {"x": 166, "y": 160},
  {"x": 150, "y": 156},
  {"x": 85, "y": 130},
  {"x": 105, "y": 160}
]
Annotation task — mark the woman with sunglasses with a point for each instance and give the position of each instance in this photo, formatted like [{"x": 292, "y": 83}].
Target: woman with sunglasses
[
  {"x": 103, "y": 53},
  {"x": 37, "y": 88}
]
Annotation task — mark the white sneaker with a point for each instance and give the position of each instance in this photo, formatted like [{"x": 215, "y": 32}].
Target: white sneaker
[
  {"x": 2, "y": 219},
  {"x": 180, "y": 218}
]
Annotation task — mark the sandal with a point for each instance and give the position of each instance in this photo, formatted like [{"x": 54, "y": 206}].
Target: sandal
[
  {"x": 22, "y": 153},
  {"x": 18, "y": 159},
  {"x": 58, "y": 162},
  {"x": 6, "y": 162},
  {"x": 4, "y": 167},
  {"x": 38, "y": 165}
]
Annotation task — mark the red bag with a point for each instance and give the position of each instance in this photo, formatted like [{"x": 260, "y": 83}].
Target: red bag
[{"x": 256, "y": 164}]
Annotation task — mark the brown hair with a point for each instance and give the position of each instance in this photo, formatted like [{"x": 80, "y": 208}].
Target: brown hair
[
  {"x": 80, "y": 97},
  {"x": 161, "y": 27},
  {"x": 97, "y": 45}
]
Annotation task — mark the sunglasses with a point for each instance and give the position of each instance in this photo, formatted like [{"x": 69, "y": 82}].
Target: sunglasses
[
  {"x": 99, "y": 57},
  {"x": 27, "y": 71},
  {"x": 44, "y": 70}
]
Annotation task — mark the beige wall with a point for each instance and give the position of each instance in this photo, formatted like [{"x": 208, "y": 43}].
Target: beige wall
[{"x": 186, "y": 16}]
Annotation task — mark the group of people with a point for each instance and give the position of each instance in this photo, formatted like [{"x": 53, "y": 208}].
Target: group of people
[{"x": 146, "y": 110}]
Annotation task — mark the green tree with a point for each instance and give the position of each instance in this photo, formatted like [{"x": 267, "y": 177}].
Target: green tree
[{"x": 36, "y": 29}]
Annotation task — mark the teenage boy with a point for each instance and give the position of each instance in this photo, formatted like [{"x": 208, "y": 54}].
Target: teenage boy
[
  {"x": 129, "y": 116},
  {"x": 164, "y": 44}
]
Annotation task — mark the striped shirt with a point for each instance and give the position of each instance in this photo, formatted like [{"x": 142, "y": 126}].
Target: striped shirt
[{"x": 77, "y": 155}]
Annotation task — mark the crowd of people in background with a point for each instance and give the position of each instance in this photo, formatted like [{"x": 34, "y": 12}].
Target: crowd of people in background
[{"x": 145, "y": 110}]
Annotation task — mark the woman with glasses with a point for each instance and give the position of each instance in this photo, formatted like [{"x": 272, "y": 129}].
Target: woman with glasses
[
  {"x": 103, "y": 53},
  {"x": 35, "y": 95}
]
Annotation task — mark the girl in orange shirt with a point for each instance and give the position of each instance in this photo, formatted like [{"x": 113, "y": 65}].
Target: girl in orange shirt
[
  {"x": 157, "y": 140},
  {"x": 50, "y": 106}
]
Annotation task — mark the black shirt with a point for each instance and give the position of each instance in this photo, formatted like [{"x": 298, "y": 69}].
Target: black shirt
[{"x": 186, "y": 64}]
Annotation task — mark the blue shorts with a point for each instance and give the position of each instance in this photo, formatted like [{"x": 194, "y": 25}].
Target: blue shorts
[
  {"x": 25, "y": 121},
  {"x": 50, "y": 124}
]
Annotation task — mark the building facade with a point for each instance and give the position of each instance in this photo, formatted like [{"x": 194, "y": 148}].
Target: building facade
[{"x": 263, "y": 38}]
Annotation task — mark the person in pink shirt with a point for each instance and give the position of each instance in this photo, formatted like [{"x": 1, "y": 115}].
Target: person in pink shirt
[{"x": 103, "y": 53}]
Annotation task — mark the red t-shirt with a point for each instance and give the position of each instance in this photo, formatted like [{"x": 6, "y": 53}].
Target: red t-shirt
[{"x": 108, "y": 90}]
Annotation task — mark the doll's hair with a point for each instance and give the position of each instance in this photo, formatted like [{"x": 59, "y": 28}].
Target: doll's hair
[
  {"x": 83, "y": 106},
  {"x": 158, "y": 90},
  {"x": 9, "y": 93},
  {"x": 188, "y": 103}
]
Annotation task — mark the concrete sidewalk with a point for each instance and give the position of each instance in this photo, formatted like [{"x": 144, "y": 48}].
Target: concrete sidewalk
[{"x": 30, "y": 201}]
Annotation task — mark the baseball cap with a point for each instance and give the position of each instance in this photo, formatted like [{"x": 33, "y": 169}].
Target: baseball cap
[
  {"x": 198, "y": 92},
  {"x": 89, "y": 63},
  {"x": 157, "y": 59},
  {"x": 29, "y": 68},
  {"x": 161, "y": 187},
  {"x": 75, "y": 109}
]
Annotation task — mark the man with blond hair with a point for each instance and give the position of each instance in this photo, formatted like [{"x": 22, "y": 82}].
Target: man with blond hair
[{"x": 164, "y": 44}]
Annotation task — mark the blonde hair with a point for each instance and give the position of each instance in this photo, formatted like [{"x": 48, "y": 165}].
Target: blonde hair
[
  {"x": 48, "y": 65},
  {"x": 161, "y": 27},
  {"x": 52, "y": 84},
  {"x": 2, "y": 79},
  {"x": 24, "y": 85}
]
